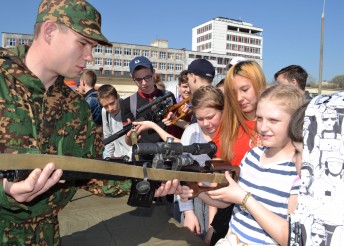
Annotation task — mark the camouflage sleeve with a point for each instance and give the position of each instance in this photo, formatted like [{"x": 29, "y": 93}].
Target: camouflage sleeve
[
  {"x": 8, "y": 202},
  {"x": 108, "y": 188}
]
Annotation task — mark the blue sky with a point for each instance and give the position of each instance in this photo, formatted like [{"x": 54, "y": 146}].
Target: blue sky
[{"x": 291, "y": 27}]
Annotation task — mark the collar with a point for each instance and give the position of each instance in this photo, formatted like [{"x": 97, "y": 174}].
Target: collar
[
  {"x": 90, "y": 92},
  {"x": 149, "y": 96}
]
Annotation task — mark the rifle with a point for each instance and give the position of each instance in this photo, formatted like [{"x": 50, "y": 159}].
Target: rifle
[
  {"x": 168, "y": 155},
  {"x": 159, "y": 107}
]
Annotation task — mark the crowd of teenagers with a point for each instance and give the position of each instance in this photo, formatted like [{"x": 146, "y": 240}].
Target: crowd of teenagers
[{"x": 289, "y": 148}]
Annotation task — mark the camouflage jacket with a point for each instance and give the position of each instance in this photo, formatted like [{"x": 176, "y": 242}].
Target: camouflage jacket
[{"x": 35, "y": 120}]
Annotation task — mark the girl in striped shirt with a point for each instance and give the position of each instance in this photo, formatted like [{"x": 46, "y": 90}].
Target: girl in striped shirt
[{"x": 268, "y": 186}]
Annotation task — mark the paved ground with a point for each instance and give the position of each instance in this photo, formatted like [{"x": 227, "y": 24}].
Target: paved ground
[{"x": 92, "y": 220}]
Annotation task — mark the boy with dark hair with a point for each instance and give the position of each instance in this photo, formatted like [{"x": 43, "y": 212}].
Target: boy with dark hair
[
  {"x": 112, "y": 122},
  {"x": 183, "y": 86},
  {"x": 293, "y": 74},
  {"x": 88, "y": 80}
]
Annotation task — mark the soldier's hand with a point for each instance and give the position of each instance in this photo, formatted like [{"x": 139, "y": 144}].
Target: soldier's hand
[{"x": 38, "y": 182}]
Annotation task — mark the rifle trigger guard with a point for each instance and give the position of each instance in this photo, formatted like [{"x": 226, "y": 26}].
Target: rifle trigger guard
[{"x": 143, "y": 187}]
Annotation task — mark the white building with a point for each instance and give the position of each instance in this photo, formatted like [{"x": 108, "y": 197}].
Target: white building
[{"x": 229, "y": 37}]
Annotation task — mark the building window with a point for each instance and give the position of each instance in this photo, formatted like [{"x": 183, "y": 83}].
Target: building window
[
  {"x": 145, "y": 53},
  {"x": 118, "y": 50},
  {"x": 118, "y": 62},
  {"x": 154, "y": 53},
  {"x": 154, "y": 64},
  {"x": 126, "y": 63},
  {"x": 169, "y": 77},
  {"x": 204, "y": 37},
  {"x": 117, "y": 73},
  {"x": 178, "y": 67},
  {"x": 170, "y": 66},
  {"x": 127, "y": 51},
  {"x": 98, "y": 49},
  {"x": 170, "y": 55},
  {"x": 162, "y": 55},
  {"x": 219, "y": 61},
  {"x": 22, "y": 41},
  {"x": 162, "y": 66},
  {"x": 204, "y": 29},
  {"x": 136, "y": 52},
  {"x": 108, "y": 61},
  {"x": 178, "y": 56},
  {"x": 108, "y": 50},
  {"x": 98, "y": 61},
  {"x": 10, "y": 42},
  {"x": 107, "y": 72}
]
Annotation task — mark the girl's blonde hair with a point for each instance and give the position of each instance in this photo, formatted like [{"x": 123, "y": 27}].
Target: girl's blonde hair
[
  {"x": 207, "y": 97},
  {"x": 232, "y": 117},
  {"x": 289, "y": 97}
]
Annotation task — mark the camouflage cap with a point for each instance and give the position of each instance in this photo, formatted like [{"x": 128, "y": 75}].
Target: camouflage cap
[{"x": 79, "y": 15}]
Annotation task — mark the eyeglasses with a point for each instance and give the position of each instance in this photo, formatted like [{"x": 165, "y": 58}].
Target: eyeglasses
[
  {"x": 317, "y": 234},
  {"x": 147, "y": 78},
  {"x": 329, "y": 118}
]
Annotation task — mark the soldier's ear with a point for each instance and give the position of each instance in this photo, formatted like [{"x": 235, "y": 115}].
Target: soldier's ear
[{"x": 48, "y": 30}]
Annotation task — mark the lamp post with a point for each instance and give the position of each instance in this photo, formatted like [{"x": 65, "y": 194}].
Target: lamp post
[{"x": 321, "y": 48}]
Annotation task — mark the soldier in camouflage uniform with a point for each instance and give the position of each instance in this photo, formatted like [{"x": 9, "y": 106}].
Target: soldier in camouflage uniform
[{"x": 39, "y": 114}]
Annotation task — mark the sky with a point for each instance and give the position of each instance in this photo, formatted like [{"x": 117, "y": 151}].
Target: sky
[{"x": 291, "y": 35}]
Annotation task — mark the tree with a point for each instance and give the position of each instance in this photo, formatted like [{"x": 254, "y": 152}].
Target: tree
[{"x": 339, "y": 81}]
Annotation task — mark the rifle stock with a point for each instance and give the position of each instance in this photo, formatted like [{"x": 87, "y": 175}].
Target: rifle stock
[{"x": 211, "y": 166}]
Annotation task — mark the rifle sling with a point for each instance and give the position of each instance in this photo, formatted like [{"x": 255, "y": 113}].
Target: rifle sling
[{"x": 68, "y": 163}]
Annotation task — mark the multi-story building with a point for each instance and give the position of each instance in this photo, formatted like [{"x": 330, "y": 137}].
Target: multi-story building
[
  {"x": 230, "y": 37},
  {"x": 112, "y": 63}
]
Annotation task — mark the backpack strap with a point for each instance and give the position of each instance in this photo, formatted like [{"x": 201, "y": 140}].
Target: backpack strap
[
  {"x": 108, "y": 118},
  {"x": 133, "y": 104}
]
